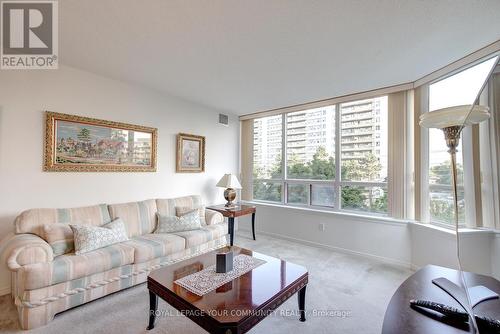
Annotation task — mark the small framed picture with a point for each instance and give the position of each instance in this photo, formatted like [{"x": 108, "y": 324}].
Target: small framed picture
[{"x": 190, "y": 153}]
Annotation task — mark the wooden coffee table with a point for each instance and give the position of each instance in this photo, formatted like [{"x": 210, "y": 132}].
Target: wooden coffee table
[{"x": 237, "y": 306}]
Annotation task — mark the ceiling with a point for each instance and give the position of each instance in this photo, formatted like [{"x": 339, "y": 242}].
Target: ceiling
[{"x": 241, "y": 56}]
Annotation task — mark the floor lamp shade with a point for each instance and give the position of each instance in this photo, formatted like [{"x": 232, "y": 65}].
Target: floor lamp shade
[{"x": 455, "y": 116}]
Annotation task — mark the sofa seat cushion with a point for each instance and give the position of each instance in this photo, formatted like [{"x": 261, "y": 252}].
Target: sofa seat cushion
[
  {"x": 150, "y": 246},
  {"x": 205, "y": 234},
  {"x": 70, "y": 266}
]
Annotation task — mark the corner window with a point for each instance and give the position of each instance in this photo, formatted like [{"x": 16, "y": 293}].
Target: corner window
[{"x": 459, "y": 89}]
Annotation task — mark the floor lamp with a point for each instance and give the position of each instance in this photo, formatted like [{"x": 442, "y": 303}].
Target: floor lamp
[{"x": 451, "y": 121}]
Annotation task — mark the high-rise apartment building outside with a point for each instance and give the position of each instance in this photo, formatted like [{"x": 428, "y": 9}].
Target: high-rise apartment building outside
[{"x": 362, "y": 132}]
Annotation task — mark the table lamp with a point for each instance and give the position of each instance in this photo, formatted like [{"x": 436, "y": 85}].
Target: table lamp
[
  {"x": 452, "y": 120},
  {"x": 230, "y": 182}
]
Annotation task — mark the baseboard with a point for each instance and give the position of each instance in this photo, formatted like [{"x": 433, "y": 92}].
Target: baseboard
[
  {"x": 5, "y": 291},
  {"x": 382, "y": 259}
]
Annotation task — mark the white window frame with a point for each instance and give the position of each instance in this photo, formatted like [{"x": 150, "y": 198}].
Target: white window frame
[
  {"x": 337, "y": 183},
  {"x": 467, "y": 155}
]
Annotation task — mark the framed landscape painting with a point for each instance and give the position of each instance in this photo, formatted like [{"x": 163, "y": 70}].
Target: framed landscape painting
[
  {"x": 190, "y": 153},
  {"x": 82, "y": 144}
]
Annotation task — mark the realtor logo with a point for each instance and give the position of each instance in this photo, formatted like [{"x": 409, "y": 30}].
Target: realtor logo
[{"x": 29, "y": 35}]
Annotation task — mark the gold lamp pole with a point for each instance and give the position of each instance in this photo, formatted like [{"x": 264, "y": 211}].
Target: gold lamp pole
[
  {"x": 452, "y": 137},
  {"x": 451, "y": 121}
]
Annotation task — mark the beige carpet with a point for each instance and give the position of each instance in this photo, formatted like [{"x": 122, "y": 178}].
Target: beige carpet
[{"x": 337, "y": 282}]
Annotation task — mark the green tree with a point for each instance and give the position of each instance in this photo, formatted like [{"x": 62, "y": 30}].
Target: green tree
[
  {"x": 367, "y": 168},
  {"x": 322, "y": 167},
  {"x": 298, "y": 170},
  {"x": 267, "y": 191},
  {"x": 380, "y": 204},
  {"x": 352, "y": 198},
  {"x": 84, "y": 135},
  {"x": 441, "y": 174},
  {"x": 441, "y": 202},
  {"x": 275, "y": 171}
]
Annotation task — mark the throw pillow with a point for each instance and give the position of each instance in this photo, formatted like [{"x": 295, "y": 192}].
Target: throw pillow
[
  {"x": 182, "y": 210},
  {"x": 89, "y": 238},
  {"x": 171, "y": 224},
  {"x": 60, "y": 237}
]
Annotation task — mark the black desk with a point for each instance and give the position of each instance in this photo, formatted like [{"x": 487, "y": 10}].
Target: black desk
[{"x": 400, "y": 318}]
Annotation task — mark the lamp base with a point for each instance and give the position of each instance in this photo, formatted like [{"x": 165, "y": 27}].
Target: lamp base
[{"x": 229, "y": 195}]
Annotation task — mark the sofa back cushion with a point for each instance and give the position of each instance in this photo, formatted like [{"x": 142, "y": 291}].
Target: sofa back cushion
[
  {"x": 170, "y": 207},
  {"x": 139, "y": 217},
  {"x": 60, "y": 237},
  {"x": 33, "y": 221}
]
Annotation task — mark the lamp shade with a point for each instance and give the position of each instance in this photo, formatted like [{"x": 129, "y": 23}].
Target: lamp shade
[
  {"x": 229, "y": 181},
  {"x": 455, "y": 116}
]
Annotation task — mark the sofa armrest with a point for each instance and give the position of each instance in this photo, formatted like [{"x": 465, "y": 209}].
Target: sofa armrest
[
  {"x": 213, "y": 217},
  {"x": 24, "y": 249}
]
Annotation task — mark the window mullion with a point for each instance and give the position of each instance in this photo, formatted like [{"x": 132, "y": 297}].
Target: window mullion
[
  {"x": 336, "y": 183},
  {"x": 284, "y": 158},
  {"x": 309, "y": 194}
]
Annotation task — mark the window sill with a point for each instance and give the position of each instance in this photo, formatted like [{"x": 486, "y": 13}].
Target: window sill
[
  {"x": 366, "y": 218},
  {"x": 451, "y": 229}
]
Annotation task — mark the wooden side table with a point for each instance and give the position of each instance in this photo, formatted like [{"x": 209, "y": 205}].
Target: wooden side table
[{"x": 235, "y": 211}]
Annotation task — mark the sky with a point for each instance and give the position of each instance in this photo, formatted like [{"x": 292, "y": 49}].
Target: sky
[{"x": 459, "y": 89}]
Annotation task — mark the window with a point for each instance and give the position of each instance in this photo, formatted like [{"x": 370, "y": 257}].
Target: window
[
  {"x": 441, "y": 205},
  {"x": 267, "y": 138},
  {"x": 459, "y": 89},
  {"x": 310, "y": 145},
  {"x": 318, "y": 170},
  {"x": 364, "y": 146}
]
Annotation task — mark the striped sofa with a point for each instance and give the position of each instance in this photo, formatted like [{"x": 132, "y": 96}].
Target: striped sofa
[{"x": 44, "y": 285}]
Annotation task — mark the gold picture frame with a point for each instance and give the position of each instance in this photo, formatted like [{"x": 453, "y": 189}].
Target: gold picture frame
[
  {"x": 190, "y": 156},
  {"x": 83, "y": 144}
]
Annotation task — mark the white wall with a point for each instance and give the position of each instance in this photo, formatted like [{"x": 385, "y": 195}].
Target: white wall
[
  {"x": 410, "y": 244},
  {"x": 432, "y": 245},
  {"x": 24, "y": 95},
  {"x": 384, "y": 240},
  {"x": 495, "y": 256}
]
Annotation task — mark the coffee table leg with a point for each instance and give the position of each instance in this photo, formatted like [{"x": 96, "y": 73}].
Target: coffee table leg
[
  {"x": 302, "y": 303},
  {"x": 231, "y": 229},
  {"x": 253, "y": 225},
  {"x": 153, "y": 306}
]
